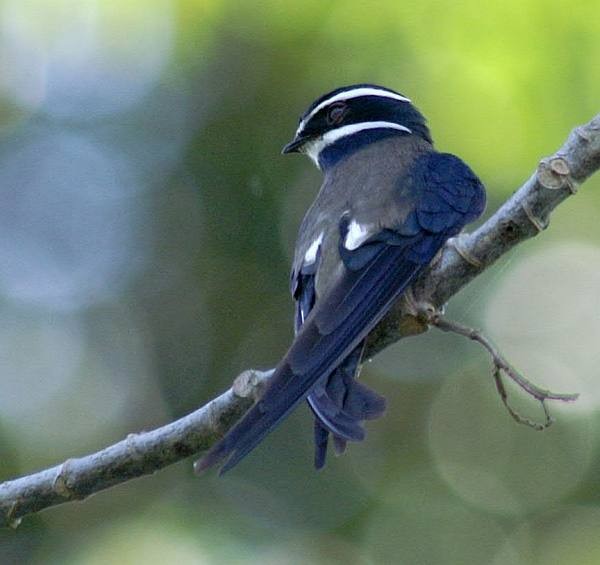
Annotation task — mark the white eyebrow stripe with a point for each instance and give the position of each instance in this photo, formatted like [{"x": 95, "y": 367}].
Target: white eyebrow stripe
[
  {"x": 347, "y": 95},
  {"x": 314, "y": 148}
]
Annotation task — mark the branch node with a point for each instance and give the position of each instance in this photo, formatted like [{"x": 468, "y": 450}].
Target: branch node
[
  {"x": 583, "y": 134},
  {"x": 457, "y": 243},
  {"x": 559, "y": 166},
  {"x": 425, "y": 312},
  {"x": 132, "y": 445},
  {"x": 12, "y": 521},
  {"x": 60, "y": 484},
  {"x": 539, "y": 224},
  {"x": 572, "y": 185},
  {"x": 553, "y": 173},
  {"x": 250, "y": 383}
]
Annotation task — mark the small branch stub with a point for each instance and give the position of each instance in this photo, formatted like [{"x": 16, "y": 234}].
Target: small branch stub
[{"x": 554, "y": 173}]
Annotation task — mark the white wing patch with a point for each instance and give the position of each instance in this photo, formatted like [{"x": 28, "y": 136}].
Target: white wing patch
[
  {"x": 356, "y": 235},
  {"x": 311, "y": 254}
]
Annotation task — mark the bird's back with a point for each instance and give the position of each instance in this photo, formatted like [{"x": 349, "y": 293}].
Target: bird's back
[{"x": 361, "y": 187}]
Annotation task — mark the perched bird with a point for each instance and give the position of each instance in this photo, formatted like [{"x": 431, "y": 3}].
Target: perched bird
[{"x": 388, "y": 203}]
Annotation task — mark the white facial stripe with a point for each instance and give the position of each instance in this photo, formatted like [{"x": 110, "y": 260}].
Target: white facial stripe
[
  {"x": 333, "y": 135},
  {"x": 356, "y": 235},
  {"x": 347, "y": 95},
  {"x": 314, "y": 148},
  {"x": 311, "y": 255}
]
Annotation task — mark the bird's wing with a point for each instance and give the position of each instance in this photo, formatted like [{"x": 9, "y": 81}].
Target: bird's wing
[
  {"x": 339, "y": 402},
  {"x": 447, "y": 195}
]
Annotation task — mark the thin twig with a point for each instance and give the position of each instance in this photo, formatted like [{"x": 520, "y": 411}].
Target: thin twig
[
  {"x": 520, "y": 419},
  {"x": 502, "y": 367}
]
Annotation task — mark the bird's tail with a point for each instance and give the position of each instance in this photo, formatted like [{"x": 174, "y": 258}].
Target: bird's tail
[
  {"x": 330, "y": 334},
  {"x": 340, "y": 404}
]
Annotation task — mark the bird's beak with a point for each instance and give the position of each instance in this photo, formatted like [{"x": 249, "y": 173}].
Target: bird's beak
[{"x": 295, "y": 145}]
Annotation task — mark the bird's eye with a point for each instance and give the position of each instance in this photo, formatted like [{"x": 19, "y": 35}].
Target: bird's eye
[{"x": 336, "y": 113}]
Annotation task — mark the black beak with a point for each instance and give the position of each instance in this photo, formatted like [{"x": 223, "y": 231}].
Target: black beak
[{"x": 295, "y": 145}]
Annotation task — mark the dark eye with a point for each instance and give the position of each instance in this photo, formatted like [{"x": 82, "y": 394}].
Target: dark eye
[{"x": 336, "y": 113}]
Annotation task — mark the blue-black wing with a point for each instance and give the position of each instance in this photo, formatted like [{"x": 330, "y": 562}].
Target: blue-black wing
[
  {"x": 447, "y": 195},
  {"x": 338, "y": 401}
]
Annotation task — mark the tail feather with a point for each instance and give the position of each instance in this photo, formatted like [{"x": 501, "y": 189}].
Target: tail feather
[
  {"x": 340, "y": 405},
  {"x": 363, "y": 402},
  {"x": 339, "y": 445},
  {"x": 321, "y": 441}
]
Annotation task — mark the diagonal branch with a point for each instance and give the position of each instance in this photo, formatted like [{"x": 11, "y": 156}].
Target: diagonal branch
[
  {"x": 524, "y": 215},
  {"x": 138, "y": 454}
]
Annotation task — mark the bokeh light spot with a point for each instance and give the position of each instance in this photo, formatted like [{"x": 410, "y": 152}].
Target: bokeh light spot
[
  {"x": 85, "y": 58},
  {"x": 418, "y": 522},
  {"x": 494, "y": 463},
  {"x": 67, "y": 221},
  {"x": 545, "y": 314}
]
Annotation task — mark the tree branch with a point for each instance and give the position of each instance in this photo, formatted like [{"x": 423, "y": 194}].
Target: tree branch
[
  {"x": 138, "y": 454},
  {"x": 524, "y": 215}
]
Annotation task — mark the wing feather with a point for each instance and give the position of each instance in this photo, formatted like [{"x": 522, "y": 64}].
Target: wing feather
[{"x": 369, "y": 280}]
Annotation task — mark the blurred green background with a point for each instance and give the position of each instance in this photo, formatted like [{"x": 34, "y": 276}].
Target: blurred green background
[{"x": 146, "y": 229}]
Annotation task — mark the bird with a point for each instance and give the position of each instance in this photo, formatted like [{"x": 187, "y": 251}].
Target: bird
[{"x": 388, "y": 203}]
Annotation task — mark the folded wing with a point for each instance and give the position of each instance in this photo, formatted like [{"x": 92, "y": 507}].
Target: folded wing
[{"x": 447, "y": 195}]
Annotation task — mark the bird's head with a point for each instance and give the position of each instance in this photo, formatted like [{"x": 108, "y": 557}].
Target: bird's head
[{"x": 347, "y": 118}]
